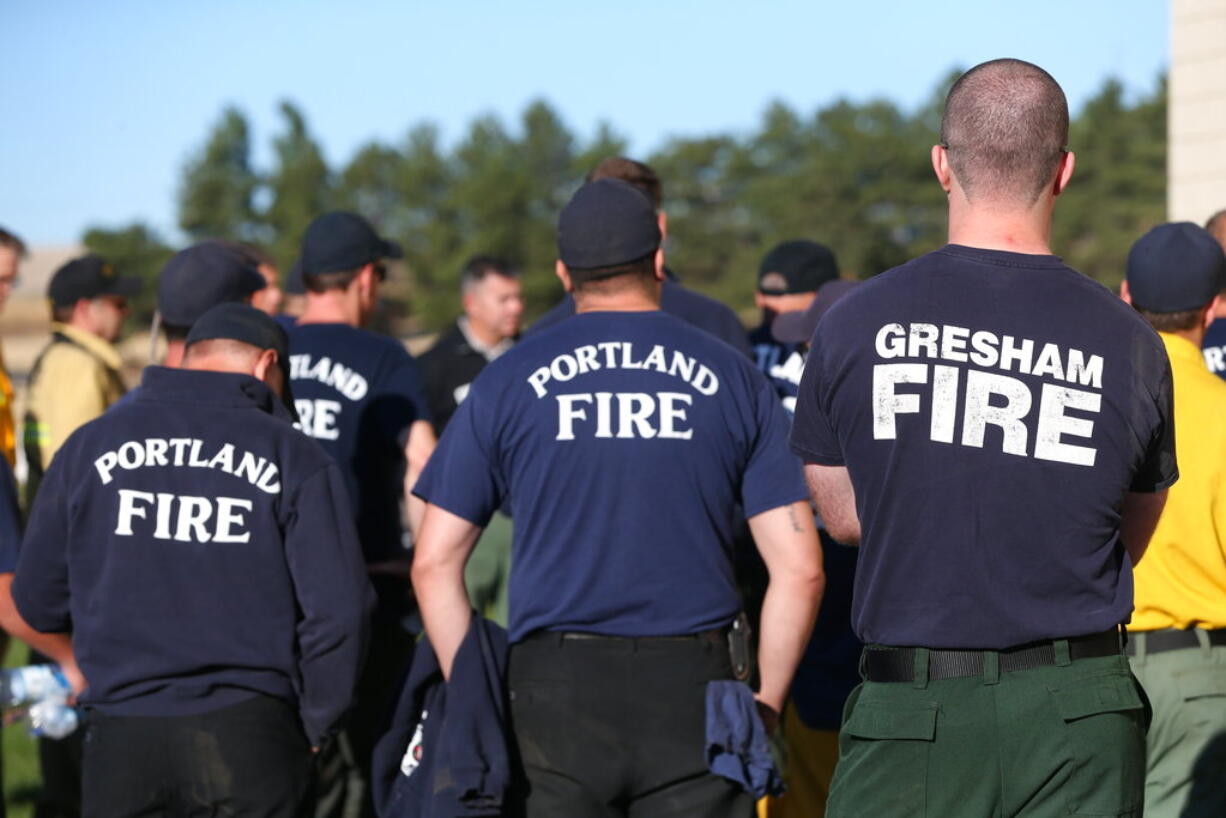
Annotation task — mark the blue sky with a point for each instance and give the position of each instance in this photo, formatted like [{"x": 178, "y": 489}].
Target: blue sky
[{"x": 104, "y": 101}]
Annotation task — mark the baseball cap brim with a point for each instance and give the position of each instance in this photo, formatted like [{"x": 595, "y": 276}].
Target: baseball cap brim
[
  {"x": 392, "y": 249},
  {"x": 798, "y": 327}
]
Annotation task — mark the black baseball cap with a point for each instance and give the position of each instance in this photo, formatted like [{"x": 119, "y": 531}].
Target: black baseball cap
[
  {"x": 606, "y": 223},
  {"x": 203, "y": 276},
  {"x": 88, "y": 277},
  {"x": 340, "y": 241},
  {"x": 797, "y": 266},
  {"x": 1175, "y": 267},
  {"x": 234, "y": 321},
  {"x": 797, "y": 327}
]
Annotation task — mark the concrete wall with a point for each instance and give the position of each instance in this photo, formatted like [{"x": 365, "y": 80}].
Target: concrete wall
[{"x": 1196, "y": 121}]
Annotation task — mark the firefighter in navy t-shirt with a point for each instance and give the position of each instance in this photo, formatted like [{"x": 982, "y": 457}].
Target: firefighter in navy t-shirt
[
  {"x": 788, "y": 280},
  {"x": 359, "y": 394},
  {"x": 692, "y": 307},
  {"x": 625, "y": 439},
  {"x": 996, "y": 432},
  {"x": 202, "y": 552}
]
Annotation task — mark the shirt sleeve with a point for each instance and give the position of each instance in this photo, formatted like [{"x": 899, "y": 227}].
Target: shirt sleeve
[
  {"x": 813, "y": 437},
  {"x": 334, "y": 598},
  {"x": 40, "y": 587},
  {"x": 773, "y": 477},
  {"x": 463, "y": 474},
  {"x": 1159, "y": 469},
  {"x": 10, "y": 519}
]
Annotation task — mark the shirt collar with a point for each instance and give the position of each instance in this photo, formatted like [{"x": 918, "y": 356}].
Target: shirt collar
[
  {"x": 98, "y": 346},
  {"x": 197, "y": 387},
  {"x": 489, "y": 352}
]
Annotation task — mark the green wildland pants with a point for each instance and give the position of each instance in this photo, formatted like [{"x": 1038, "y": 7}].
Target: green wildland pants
[
  {"x": 1186, "y": 747},
  {"x": 1066, "y": 739}
]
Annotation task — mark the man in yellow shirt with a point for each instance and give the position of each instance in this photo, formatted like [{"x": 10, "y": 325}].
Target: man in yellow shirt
[
  {"x": 76, "y": 376},
  {"x": 1178, "y": 630},
  {"x": 12, "y": 250}
]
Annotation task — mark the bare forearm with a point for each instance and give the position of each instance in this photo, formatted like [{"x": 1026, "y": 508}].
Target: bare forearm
[
  {"x": 788, "y": 615},
  {"x": 1138, "y": 519},
  {"x": 438, "y": 581},
  {"x": 787, "y": 540},
  {"x": 55, "y": 646}
]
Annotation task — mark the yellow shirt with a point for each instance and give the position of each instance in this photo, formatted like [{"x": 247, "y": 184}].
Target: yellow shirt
[
  {"x": 1181, "y": 580},
  {"x": 8, "y": 430},
  {"x": 72, "y": 384}
]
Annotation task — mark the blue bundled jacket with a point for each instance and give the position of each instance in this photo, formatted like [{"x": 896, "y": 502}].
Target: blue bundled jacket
[{"x": 446, "y": 753}]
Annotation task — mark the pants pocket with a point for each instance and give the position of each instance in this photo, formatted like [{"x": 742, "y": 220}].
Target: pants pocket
[
  {"x": 1104, "y": 731},
  {"x": 884, "y": 750}
]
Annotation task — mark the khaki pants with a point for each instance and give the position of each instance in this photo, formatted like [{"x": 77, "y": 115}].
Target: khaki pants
[{"x": 1186, "y": 747}]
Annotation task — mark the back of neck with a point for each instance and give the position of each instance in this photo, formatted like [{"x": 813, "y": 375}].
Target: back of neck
[
  {"x": 331, "y": 307},
  {"x": 1001, "y": 228}
]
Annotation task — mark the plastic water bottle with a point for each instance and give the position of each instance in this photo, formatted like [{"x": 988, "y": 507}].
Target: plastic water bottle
[
  {"x": 53, "y": 719},
  {"x": 32, "y": 683}
]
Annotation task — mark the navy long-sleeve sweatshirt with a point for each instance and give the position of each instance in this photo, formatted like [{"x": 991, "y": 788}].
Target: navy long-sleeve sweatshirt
[{"x": 202, "y": 551}]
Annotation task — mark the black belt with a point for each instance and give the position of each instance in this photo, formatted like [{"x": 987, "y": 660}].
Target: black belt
[
  {"x": 898, "y": 664},
  {"x": 1162, "y": 641},
  {"x": 716, "y": 636}
]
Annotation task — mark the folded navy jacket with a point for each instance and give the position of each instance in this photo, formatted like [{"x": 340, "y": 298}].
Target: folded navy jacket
[
  {"x": 737, "y": 745},
  {"x": 446, "y": 753}
]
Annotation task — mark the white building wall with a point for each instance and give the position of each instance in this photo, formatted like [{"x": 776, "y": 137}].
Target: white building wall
[{"x": 1196, "y": 119}]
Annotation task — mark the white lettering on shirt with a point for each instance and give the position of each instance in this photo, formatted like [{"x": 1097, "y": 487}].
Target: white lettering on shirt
[
  {"x": 190, "y": 518},
  {"x": 984, "y": 399}
]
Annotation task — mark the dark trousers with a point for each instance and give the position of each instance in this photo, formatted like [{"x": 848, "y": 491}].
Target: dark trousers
[
  {"x": 249, "y": 759},
  {"x": 617, "y": 727},
  {"x": 1067, "y": 739},
  {"x": 343, "y": 766},
  {"x": 59, "y": 761}
]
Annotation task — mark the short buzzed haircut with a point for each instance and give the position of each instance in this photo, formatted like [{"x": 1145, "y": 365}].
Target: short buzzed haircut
[
  {"x": 477, "y": 268},
  {"x": 13, "y": 242},
  {"x": 631, "y": 172},
  {"x": 1005, "y": 128}
]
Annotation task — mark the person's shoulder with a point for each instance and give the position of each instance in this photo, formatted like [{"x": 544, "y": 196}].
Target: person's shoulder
[
  {"x": 557, "y": 313},
  {"x": 444, "y": 346}
]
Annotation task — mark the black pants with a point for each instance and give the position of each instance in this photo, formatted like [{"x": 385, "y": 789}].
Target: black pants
[
  {"x": 617, "y": 727},
  {"x": 343, "y": 785},
  {"x": 249, "y": 759}
]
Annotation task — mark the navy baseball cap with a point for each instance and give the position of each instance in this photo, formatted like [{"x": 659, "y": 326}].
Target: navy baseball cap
[
  {"x": 797, "y": 266},
  {"x": 203, "y": 276},
  {"x": 797, "y": 327},
  {"x": 340, "y": 241},
  {"x": 1175, "y": 267},
  {"x": 606, "y": 223},
  {"x": 88, "y": 277},
  {"x": 234, "y": 321}
]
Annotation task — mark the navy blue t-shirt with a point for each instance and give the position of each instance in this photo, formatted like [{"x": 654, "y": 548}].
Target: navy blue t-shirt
[
  {"x": 781, "y": 363},
  {"x": 993, "y": 410},
  {"x": 356, "y": 393},
  {"x": 1214, "y": 348},
  {"x": 692, "y": 307},
  {"x": 624, "y": 440},
  {"x": 201, "y": 551}
]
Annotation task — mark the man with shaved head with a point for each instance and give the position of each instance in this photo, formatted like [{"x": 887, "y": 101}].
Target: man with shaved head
[{"x": 995, "y": 431}]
